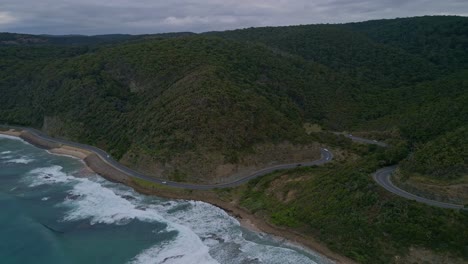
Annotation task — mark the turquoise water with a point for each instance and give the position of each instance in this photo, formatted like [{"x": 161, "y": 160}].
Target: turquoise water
[{"x": 55, "y": 211}]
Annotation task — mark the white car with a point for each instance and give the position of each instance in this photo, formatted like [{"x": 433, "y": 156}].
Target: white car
[{"x": 164, "y": 182}]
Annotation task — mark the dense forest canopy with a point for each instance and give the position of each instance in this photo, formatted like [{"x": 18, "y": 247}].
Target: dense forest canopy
[
  {"x": 181, "y": 91},
  {"x": 156, "y": 98}
]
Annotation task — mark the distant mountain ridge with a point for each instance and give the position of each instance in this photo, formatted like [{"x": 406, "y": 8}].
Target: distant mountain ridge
[{"x": 65, "y": 40}]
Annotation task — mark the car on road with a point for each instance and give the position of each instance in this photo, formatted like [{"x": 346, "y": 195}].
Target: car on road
[{"x": 164, "y": 182}]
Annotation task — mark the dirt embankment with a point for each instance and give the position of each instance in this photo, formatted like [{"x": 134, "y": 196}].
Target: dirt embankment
[
  {"x": 106, "y": 170},
  {"x": 456, "y": 192},
  {"x": 39, "y": 142},
  {"x": 212, "y": 167}
]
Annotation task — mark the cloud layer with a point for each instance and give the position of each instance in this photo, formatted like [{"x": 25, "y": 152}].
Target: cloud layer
[{"x": 154, "y": 16}]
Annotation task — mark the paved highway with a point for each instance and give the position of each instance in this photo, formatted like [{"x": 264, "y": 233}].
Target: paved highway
[
  {"x": 382, "y": 177},
  {"x": 326, "y": 156}
]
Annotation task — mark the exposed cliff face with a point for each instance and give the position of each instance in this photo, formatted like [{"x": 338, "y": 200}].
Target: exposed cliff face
[
  {"x": 38, "y": 141},
  {"x": 205, "y": 166},
  {"x": 104, "y": 169}
]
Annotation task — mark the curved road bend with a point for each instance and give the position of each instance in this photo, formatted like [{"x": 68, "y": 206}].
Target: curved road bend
[
  {"x": 326, "y": 156},
  {"x": 382, "y": 177}
]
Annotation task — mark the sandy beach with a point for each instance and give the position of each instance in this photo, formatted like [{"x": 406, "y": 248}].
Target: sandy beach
[
  {"x": 245, "y": 218},
  {"x": 70, "y": 151},
  {"x": 11, "y": 132}
]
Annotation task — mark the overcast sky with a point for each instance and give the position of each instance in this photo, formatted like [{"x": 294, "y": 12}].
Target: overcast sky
[{"x": 155, "y": 16}]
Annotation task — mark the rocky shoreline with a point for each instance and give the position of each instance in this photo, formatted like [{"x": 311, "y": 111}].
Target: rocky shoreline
[{"x": 247, "y": 220}]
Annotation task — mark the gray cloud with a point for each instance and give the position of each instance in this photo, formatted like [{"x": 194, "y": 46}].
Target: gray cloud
[{"x": 153, "y": 16}]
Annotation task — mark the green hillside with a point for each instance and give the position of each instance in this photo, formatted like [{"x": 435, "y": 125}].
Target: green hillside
[
  {"x": 162, "y": 98},
  {"x": 187, "y": 106},
  {"x": 444, "y": 157},
  {"x": 165, "y": 97},
  {"x": 343, "y": 50},
  {"x": 441, "y": 40}
]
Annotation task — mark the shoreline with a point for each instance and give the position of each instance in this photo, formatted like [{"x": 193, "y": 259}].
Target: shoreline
[
  {"x": 252, "y": 222},
  {"x": 246, "y": 219}
]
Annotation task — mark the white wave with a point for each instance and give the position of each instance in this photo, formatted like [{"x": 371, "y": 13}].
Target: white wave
[
  {"x": 48, "y": 175},
  {"x": 223, "y": 235},
  {"x": 22, "y": 160},
  {"x": 273, "y": 254},
  {"x": 203, "y": 218},
  {"x": 205, "y": 233},
  {"x": 3, "y": 136},
  {"x": 187, "y": 248},
  {"x": 5, "y": 152},
  {"x": 45, "y": 198},
  {"x": 101, "y": 205},
  {"x": 91, "y": 200}
]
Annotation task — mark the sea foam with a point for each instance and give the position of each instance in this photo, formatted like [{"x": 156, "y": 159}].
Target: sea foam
[
  {"x": 223, "y": 235},
  {"x": 186, "y": 248},
  {"x": 11, "y": 137},
  {"x": 205, "y": 233},
  {"x": 48, "y": 175},
  {"x": 22, "y": 160},
  {"x": 91, "y": 200}
]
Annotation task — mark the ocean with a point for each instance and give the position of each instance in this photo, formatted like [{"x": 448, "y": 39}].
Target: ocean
[{"x": 53, "y": 210}]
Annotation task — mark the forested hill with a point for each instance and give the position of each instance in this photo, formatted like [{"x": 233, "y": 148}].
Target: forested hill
[
  {"x": 157, "y": 98},
  {"x": 176, "y": 94},
  {"x": 342, "y": 50},
  {"x": 441, "y": 40},
  {"x": 385, "y": 52},
  {"x": 12, "y": 39},
  {"x": 202, "y": 107}
]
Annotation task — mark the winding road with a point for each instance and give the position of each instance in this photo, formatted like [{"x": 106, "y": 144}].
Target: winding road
[
  {"x": 326, "y": 156},
  {"x": 381, "y": 176}
]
